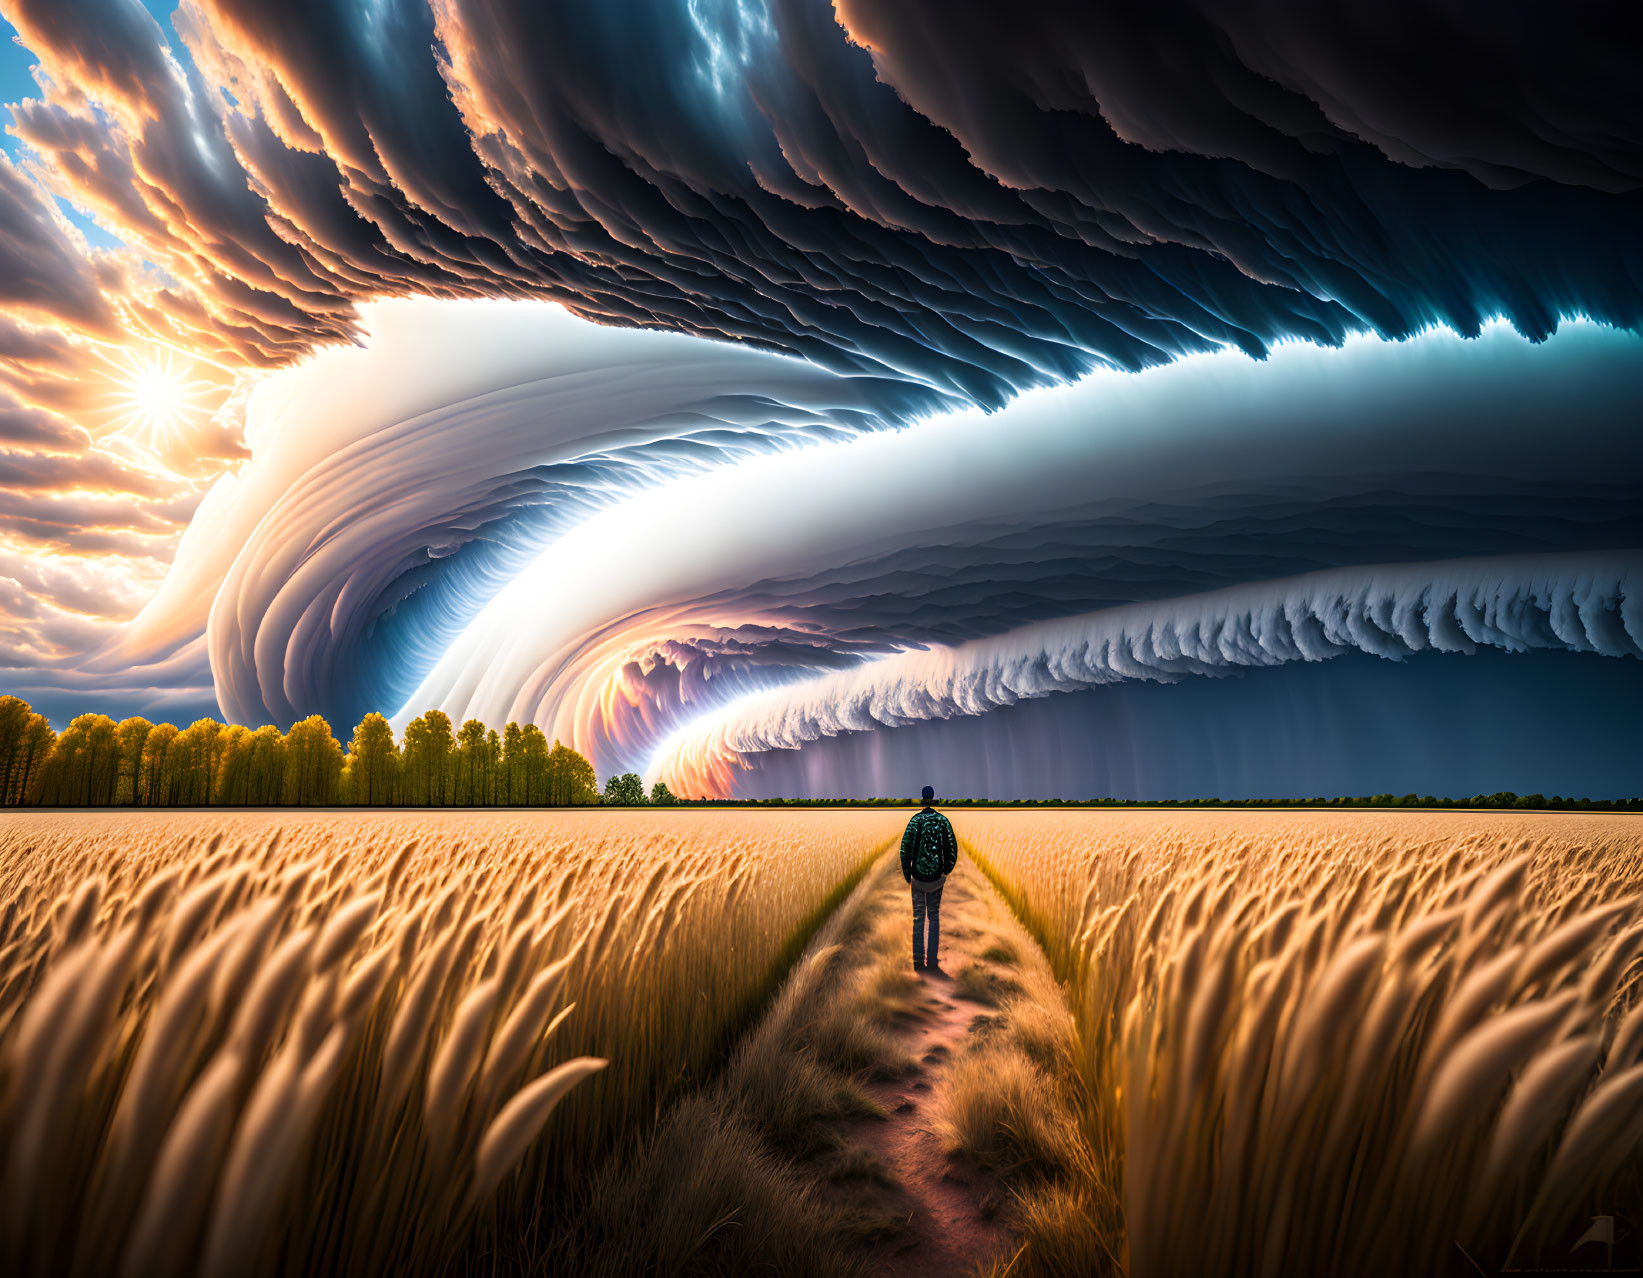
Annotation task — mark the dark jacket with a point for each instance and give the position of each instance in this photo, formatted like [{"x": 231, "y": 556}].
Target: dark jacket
[{"x": 928, "y": 849}]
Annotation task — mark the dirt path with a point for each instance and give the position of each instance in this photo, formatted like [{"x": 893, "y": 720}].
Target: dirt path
[
  {"x": 876, "y": 1121},
  {"x": 954, "y": 1213}
]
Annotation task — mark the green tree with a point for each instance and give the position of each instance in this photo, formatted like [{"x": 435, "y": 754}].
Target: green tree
[
  {"x": 194, "y": 758},
  {"x": 84, "y": 767},
  {"x": 373, "y": 762},
  {"x": 266, "y": 753},
  {"x": 131, "y": 734},
  {"x": 515, "y": 783},
  {"x": 626, "y": 790},
  {"x": 234, "y": 772},
  {"x": 15, "y": 714},
  {"x": 253, "y": 766},
  {"x": 427, "y": 758},
  {"x": 660, "y": 794},
  {"x": 470, "y": 763},
  {"x": 26, "y": 755},
  {"x": 313, "y": 763},
  {"x": 494, "y": 792},
  {"x": 571, "y": 778},
  {"x": 156, "y": 786},
  {"x": 531, "y": 761}
]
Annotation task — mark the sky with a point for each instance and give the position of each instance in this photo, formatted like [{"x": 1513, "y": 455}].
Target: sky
[{"x": 783, "y": 396}]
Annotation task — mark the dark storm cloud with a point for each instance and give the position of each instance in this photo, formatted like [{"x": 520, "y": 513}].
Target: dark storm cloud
[
  {"x": 105, "y": 47},
  {"x": 1524, "y": 91},
  {"x": 1345, "y": 726},
  {"x": 945, "y": 202},
  {"x": 976, "y": 197},
  {"x": 125, "y": 134},
  {"x": 1583, "y": 604},
  {"x": 484, "y": 569}
]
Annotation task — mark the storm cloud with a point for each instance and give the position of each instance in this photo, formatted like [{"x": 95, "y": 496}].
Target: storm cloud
[
  {"x": 968, "y": 327},
  {"x": 973, "y": 198},
  {"x": 520, "y": 538}
]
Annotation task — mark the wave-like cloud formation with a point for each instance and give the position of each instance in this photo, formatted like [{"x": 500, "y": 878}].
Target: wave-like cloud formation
[
  {"x": 612, "y": 534},
  {"x": 394, "y": 489},
  {"x": 977, "y": 280},
  {"x": 1123, "y": 488},
  {"x": 1590, "y": 603},
  {"x": 976, "y": 198}
]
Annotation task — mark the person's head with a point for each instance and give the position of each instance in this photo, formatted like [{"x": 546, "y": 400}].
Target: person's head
[{"x": 929, "y": 795}]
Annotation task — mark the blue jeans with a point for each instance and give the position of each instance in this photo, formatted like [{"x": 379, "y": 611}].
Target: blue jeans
[{"x": 926, "y": 903}]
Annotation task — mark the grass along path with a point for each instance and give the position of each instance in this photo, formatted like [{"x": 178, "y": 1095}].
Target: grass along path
[
  {"x": 878, "y": 1121},
  {"x": 951, "y": 1205}
]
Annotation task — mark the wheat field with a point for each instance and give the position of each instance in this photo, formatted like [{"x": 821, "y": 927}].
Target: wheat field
[
  {"x": 1344, "y": 1044},
  {"x": 367, "y": 1044}
]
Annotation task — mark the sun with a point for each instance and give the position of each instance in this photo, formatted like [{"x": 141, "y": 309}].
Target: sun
[
  {"x": 154, "y": 396},
  {"x": 159, "y": 397}
]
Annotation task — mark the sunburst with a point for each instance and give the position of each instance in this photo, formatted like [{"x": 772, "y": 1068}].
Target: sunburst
[{"x": 156, "y": 396}]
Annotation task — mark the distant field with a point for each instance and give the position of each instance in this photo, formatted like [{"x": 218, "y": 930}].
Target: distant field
[{"x": 276, "y": 1042}]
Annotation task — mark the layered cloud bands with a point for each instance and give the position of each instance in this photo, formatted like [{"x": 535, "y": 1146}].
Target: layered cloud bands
[
  {"x": 705, "y": 348},
  {"x": 394, "y": 491},
  {"x": 1590, "y": 604},
  {"x": 620, "y": 536}
]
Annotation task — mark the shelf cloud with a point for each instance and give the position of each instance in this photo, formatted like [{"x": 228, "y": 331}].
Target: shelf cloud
[
  {"x": 654, "y": 368},
  {"x": 520, "y": 539},
  {"x": 1580, "y": 603}
]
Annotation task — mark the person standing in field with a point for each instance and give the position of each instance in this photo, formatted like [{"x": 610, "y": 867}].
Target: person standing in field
[{"x": 928, "y": 854}]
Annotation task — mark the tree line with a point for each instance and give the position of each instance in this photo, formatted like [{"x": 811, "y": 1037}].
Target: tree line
[{"x": 98, "y": 762}]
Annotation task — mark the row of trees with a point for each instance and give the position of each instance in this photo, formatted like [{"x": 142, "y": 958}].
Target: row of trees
[
  {"x": 97, "y": 762},
  {"x": 628, "y": 790}
]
